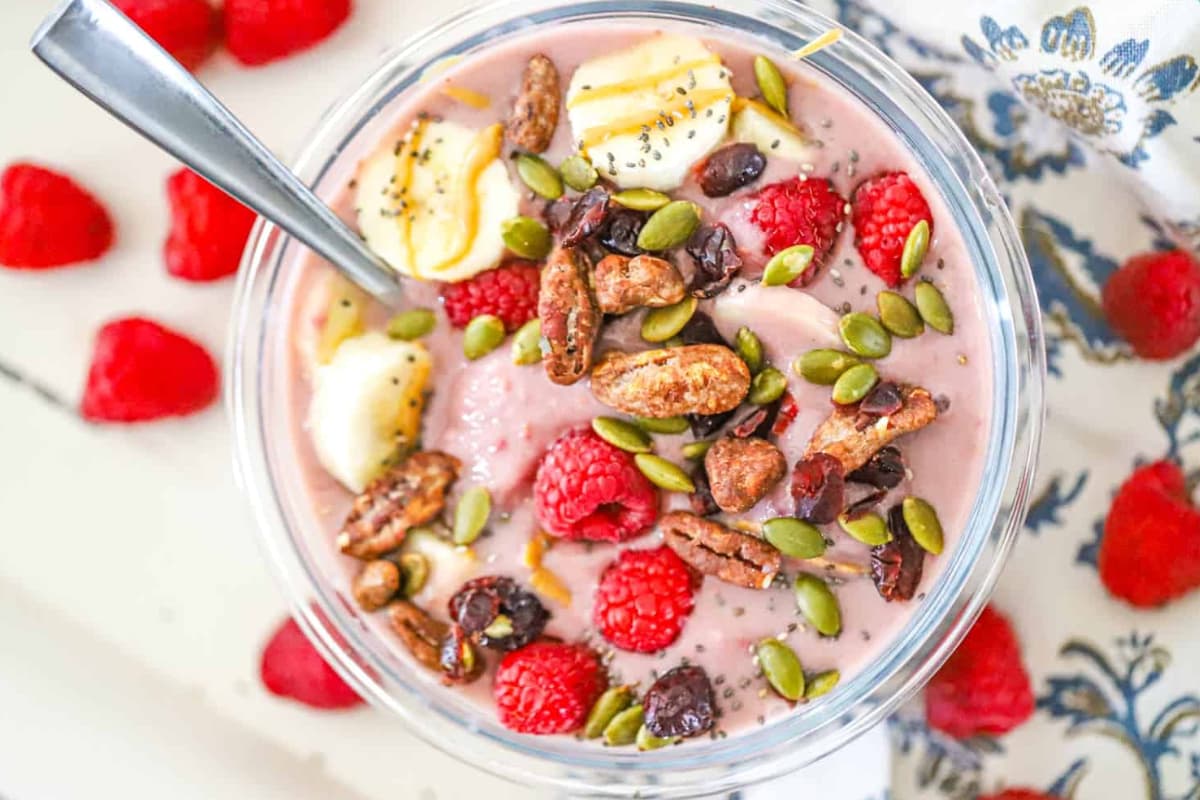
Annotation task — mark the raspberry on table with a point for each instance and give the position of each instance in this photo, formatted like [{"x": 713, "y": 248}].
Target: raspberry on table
[
  {"x": 586, "y": 488},
  {"x": 260, "y": 31},
  {"x": 209, "y": 229},
  {"x": 48, "y": 220},
  {"x": 547, "y": 687},
  {"x": 643, "y": 599},
  {"x": 509, "y": 292},
  {"x": 797, "y": 211},
  {"x": 983, "y": 687},
  {"x": 189, "y": 30},
  {"x": 1019, "y": 794},
  {"x": 143, "y": 371},
  {"x": 1153, "y": 302},
  {"x": 1150, "y": 552},
  {"x": 884, "y": 210},
  {"x": 291, "y": 667}
]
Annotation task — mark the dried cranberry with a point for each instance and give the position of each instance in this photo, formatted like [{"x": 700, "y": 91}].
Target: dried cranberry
[
  {"x": 621, "y": 233},
  {"x": 714, "y": 252},
  {"x": 865, "y": 503},
  {"x": 680, "y": 703},
  {"x": 882, "y": 401},
  {"x": 819, "y": 488},
  {"x": 701, "y": 500},
  {"x": 587, "y": 217},
  {"x": 458, "y": 659},
  {"x": 480, "y": 601},
  {"x": 885, "y": 470},
  {"x": 896, "y": 566},
  {"x": 789, "y": 409},
  {"x": 730, "y": 168}
]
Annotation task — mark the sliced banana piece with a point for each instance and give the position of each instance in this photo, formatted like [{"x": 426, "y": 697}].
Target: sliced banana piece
[
  {"x": 645, "y": 115},
  {"x": 771, "y": 133},
  {"x": 366, "y": 405},
  {"x": 432, "y": 205}
]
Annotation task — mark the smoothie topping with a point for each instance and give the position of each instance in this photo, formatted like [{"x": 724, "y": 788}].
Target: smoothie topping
[
  {"x": 643, "y": 599},
  {"x": 897, "y": 565},
  {"x": 548, "y": 687},
  {"x": 570, "y": 318},
  {"x": 693, "y": 379},
  {"x": 497, "y": 613},
  {"x": 680, "y": 703},
  {"x": 799, "y": 211},
  {"x": 774, "y": 135},
  {"x": 818, "y": 488},
  {"x": 852, "y": 440},
  {"x": 535, "y": 111},
  {"x": 421, "y": 634},
  {"x": 623, "y": 284},
  {"x": 886, "y": 209},
  {"x": 715, "y": 259},
  {"x": 742, "y": 471},
  {"x": 376, "y": 584},
  {"x": 726, "y": 554},
  {"x": 729, "y": 169}
]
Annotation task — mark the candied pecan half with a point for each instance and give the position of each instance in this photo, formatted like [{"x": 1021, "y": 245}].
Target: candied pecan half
[
  {"x": 623, "y": 284},
  {"x": 693, "y": 379},
  {"x": 570, "y": 319},
  {"x": 896, "y": 567},
  {"x": 376, "y": 584},
  {"x": 535, "y": 111},
  {"x": 742, "y": 471},
  {"x": 844, "y": 436},
  {"x": 410, "y": 493},
  {"x": 726, "y": 554},
  {"x": 420, "y": 633}
]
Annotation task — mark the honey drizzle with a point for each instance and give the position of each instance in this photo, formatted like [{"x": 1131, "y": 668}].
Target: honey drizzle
[
  {"x": 633, "y": 123},
  {"x": 675, "y": 73}
]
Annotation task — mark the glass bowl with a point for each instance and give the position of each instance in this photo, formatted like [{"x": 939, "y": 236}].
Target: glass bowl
[{"x": 304, "y": 560}]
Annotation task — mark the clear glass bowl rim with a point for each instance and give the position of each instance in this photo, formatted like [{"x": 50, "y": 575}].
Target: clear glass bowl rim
[{"x": 938, "y": 624}]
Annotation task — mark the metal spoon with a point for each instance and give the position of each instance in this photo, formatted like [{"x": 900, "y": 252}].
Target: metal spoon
[{"x": 100, "y": 52}]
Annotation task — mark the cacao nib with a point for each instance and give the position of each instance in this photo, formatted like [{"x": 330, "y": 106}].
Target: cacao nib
[
  {"x": 714, "y": 252},
  {"x": 730, "y": 168},
  {"x": 680, "y": 703},
  {"x": 481, "y": 600},
  {"x": 701, "y": 500},
  {"x": 896, "y": 566},
  {"x": 587, "y": 216},
  {"x": 760, "y": 422},
  {"x": 882, "y": 401},
  {"x": 789, "y": 409},
  {"x": 884, "y": 470},
  {"x": 865, "y": 503},
  {"x": 819, "y": 488},
  {"x": 700, "y": 329},
  {"x": 620, "y": 234},
  {"x": 705, "y": 425}
]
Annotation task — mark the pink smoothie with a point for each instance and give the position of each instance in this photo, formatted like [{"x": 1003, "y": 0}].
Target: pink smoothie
[{"x": 498, "y": 418}]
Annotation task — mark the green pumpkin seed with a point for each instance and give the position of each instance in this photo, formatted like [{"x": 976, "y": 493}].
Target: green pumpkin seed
[
  {"x": 694, "y": 451},
  {"x": 648, "y": 741},
  {"x": 854, "y": 384},
  {"x": 539, "y": 176},
  {"x": 923, "y": 524},
  {"x": 821, "y": 683},
  {"x": 614, "y": 700},
  {"x": 622, "y": 434},
  {"x": 526, "y": 237},
  {"x": 749, "y": 348},
  {"x": 781, "y": 667},
  {"x": 794, "y": 537},
  {"x": 527, "y": 343},
  {"x": 674, "y": 341},
  {"x": 787, "y": 265},
  {"x": 660, "y": 324},
  {"x": 471, "y": 514},
  {"x": 411, "y": 324},
  {"x": 483, "y": 334},
  {"x": 824, "y": 367},
  {"x": 662, "y": 424},
  {"x": 771, "y": 84},
  {"x": 641, "y": 199},
  {"x": 767, "y": 387},
  {"x": 817, "y": 603},
  {"x": 934, "y": 309},
  {"x": 670, "y": 226},
  {"x": 578, "y": 173},
  {"x": 624, "y": 727},
  {"x": 501, "y": 627},
  {"x": 414, "y": 571},
  {"x": 863, "y": 334},
  {"x": 899, "y": 316},
  {"x": 915, "y": 248},
  {"x": 870, "y": 529},
  {"x": 664, "y": 474}
]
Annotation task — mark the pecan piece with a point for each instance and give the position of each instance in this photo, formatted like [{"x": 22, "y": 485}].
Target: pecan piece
[
  {"x": 570, "y": 319},
  {"x": 535, "y": 111},
  {"x": 726, "y": 554},
  {"x": 742, "y": 471},
  {"x": 623, "y": 284},
  {"x": 411, "y": 493},
  {"x": 852, "y": 436},
  {"x": 694, "y": 379},
  {"x": 421, "y": 634},
  {"x": 376, "y": 584}
]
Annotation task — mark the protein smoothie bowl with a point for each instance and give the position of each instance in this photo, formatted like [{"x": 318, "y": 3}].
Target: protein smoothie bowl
[{"x": 687, "y": 408}]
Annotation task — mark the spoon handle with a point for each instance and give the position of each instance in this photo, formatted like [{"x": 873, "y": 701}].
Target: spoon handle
[{"x": 104, "y": 55}]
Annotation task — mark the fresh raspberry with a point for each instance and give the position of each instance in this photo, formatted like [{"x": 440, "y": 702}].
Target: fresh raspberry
[
  {"x": 510, "y": 292},
  {"x": 1019, "y": 794},
  {"x": 588, "y": 489},
  {"x": 260, "y": 31},
  {"x": 547, "y": 687},
  {"x": 1153, "y": 302},
  {"x": 643, "y": 599},
  {"x": 142, "y": 371},
  {"x": 885, "y": 209},
  {"x": 48, "y": 220},
  {"x": 208, "y": 229},
  {"x": 1150, "y": 552},
  {"x": 292, "y": 667},
  {"x": 983, "y": 687},
  {"x": 189, "y": 30},
  {"x": 799, "y": 211}
]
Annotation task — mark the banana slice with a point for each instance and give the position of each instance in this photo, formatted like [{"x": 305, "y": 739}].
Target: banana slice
[
  {"x": 773, "y": 134},
  {"x": 645, "y": 115},
  {"x": 432, "y": 205},
  {"x": 366, "y": 405}
]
